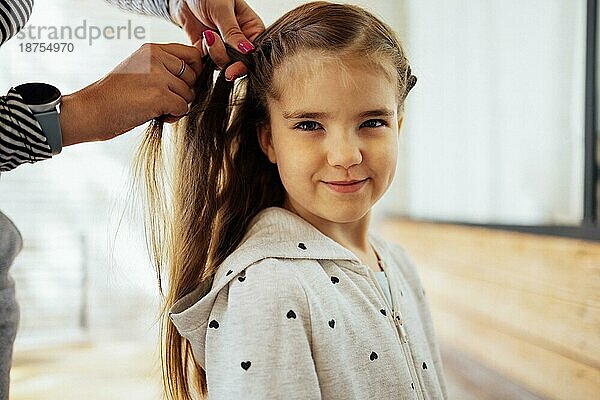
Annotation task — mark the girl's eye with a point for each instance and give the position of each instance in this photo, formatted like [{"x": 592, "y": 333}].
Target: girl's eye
[
  {"x": 372, "y": 123},
  {"x": 307, "y": 126},
  {"x": 313, "y": 126}
]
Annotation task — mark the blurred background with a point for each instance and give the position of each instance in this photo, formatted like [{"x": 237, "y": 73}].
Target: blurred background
[{"x": 495, "y": 198}]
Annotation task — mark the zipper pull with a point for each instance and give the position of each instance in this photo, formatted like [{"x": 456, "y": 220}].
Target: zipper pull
[{"x": 400, "y": 326}]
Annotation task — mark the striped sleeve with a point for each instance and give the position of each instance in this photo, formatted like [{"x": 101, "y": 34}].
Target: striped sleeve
[
  {"x": 159, "y": 8},
  {"x": 21, "y": 137},
  {"x": 14, "y": 14}
]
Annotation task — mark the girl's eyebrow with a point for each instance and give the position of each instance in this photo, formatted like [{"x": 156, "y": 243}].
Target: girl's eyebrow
[{"x": 299, "y": 114}]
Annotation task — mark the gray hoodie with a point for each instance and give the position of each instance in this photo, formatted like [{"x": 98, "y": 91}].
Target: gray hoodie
[{"x": 292, "y": 314}]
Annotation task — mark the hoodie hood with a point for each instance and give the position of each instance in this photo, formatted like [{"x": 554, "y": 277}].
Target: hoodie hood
[{"x": 273, "y": 233}]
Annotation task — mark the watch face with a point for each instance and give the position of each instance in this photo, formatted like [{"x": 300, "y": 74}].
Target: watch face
[{"x": 35, "y": 94}]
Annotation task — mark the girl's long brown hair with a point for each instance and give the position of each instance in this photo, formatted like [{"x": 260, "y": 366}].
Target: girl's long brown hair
[{"x": 219, "y": 175}]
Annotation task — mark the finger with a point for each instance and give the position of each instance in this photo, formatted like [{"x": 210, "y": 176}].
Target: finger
[
  {"x": 230, "y": 30},
  {"x": 169, "y": 119},
  {"x": 190, "y": 54},
  {"x": 248, "y": 20},
  {"x": 177, "y": 107},
  {"x": 215, "y": 48},
  {"x": 173, "y": 65},
  {"x": 193, "y": 27},
  {"x": 180, "y": 88},
  {"x": 236, "y": 70}
]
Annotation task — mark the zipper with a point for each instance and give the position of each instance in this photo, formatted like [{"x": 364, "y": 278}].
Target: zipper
[{"x": 400, "y": 333}]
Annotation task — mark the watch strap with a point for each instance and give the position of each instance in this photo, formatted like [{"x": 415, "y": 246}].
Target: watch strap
[{"x": 50, "y": 123}]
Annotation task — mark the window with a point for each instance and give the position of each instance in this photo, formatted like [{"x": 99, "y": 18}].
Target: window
[{"x": 496, "y": 125}]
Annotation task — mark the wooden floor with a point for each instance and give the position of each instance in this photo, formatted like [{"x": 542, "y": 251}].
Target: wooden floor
[
  {"x": 469, "y": 380},
  {"x": 115, "y": 370},
  {"x": 130, "y": 370}
]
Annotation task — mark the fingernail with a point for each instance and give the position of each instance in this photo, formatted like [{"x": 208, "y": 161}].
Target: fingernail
[
  {"x": 231, "y": 78},
  {"x": 209, "y": 37},
  {"x": 245, "y": 46}
]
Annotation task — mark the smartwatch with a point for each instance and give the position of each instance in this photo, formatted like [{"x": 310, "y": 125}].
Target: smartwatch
[{"x": 44, "y": 101}]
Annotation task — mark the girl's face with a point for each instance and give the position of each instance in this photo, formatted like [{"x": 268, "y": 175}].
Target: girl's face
[{"x": 333, "y": 122}]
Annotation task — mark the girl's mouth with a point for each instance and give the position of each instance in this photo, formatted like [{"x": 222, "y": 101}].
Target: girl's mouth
[{"x": 349, "y": 187}]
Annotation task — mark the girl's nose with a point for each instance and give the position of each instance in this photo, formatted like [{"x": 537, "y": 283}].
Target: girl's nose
[{"x": 343, "y": 150}]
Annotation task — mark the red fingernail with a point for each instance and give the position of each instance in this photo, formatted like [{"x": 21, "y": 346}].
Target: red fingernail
[
  {"x": 245, "y": 46},
  {"x": 209, "y": 37}
]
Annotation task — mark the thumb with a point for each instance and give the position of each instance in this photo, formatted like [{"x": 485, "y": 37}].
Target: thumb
[{"x": 232, "y": 34}]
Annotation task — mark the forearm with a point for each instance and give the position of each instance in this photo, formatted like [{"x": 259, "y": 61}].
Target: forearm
[
  {"x": 89, "y": 115},
  {"x": 159, "y": 8},
  {"x": 78, "y": 119},
  {"x": 21, "y": 137}
]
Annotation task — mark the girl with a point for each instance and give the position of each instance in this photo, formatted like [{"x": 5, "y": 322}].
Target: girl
[{"x": 277, "y": 288}]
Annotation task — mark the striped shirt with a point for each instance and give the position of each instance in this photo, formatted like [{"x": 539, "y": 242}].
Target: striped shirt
[{"x": 21, "y": 137}]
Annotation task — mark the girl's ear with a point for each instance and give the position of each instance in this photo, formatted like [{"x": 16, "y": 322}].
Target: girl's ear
[{"x": 266, "y": 143}]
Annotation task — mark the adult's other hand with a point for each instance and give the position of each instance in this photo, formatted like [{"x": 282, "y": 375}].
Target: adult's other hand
[
  {"x": 157, "y": 79},
  {"x": 236, "y": 22}
]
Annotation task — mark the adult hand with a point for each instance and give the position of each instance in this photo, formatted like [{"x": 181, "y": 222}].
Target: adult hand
[
  {"x": 237, "y": 23},
  {"x": 144, "y": 86}
]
